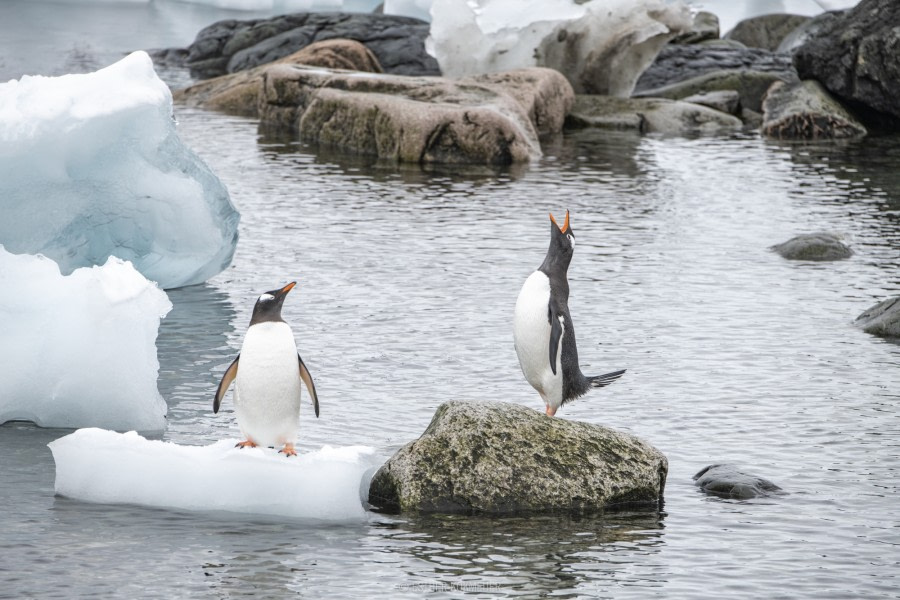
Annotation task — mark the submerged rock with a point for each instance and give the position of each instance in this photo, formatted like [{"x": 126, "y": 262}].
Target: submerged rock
[
  {"x": 238, "y": 93},
  {"x": 679, "y": 62},
  {"x": 806, "y": 111},
  {"x": 491, "y": 120},
  {"x": 500, "y": 458},
  {"x": 814, "y": 246},
  {"x": 728, "y": 481},
  {"x": 232, "y": 45},
  {"x": 648, "y": 115},
  {"x": 766, "y": 31},
  {"x": 882, "y": 319},
  {"x": 856, "y": 56},
  {"x": 751, "y": 86}
]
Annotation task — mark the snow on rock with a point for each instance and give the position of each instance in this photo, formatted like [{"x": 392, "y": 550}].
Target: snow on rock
[
  {"x": 91, "y": 167},
  {"x": 79, "y": 350},
  {"x": 601, "y": 46},
  {"x": 100, "y": 466}
]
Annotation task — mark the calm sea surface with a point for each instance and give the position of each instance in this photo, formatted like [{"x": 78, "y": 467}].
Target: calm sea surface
[{"x": 407, "y": 282}]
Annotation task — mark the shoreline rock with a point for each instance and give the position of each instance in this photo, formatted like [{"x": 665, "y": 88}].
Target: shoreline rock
[
  {"x": 236, "y": 45},
  {"x": 883, "y": 319},
  {"x": 500, "y": 458},
  {"x": 806, "y": 111},
  {"x": 649, "y": 115},
  {"x": 766, "y": 31}
]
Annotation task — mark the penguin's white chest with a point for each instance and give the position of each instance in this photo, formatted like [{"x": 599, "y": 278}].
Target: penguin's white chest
[
  {"x": 531, "y": 330},
  {"x": 267, "y": 386}
]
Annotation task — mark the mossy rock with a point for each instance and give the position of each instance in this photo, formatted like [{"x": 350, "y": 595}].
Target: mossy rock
[{"x": 500, "y": 458}]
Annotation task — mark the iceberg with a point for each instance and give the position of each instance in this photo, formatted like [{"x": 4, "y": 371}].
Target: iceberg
[
  {"x": 94, "y": 465},
  {"x": 91, "y": 167},
  {"x": 79, "y": 350},
  {"x": 601, "y": 46}
]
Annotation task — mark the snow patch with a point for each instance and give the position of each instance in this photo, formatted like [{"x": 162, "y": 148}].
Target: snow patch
[
  {"x": 95, "y": 465},
  {"x": 91, "y": 167},
  {"x": 79, "y": 350},
  {"x": 601, "y": 46}
]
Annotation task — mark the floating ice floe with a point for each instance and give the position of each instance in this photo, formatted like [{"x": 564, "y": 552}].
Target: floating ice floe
[
  {"x": 91, "y": 167},
  {"x": 601, "y": 46},
  {"x": 79, "y": 350},
  {"x": 100, "y": 466}
]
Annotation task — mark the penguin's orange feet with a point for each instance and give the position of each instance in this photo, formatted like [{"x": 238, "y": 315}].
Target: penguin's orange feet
[
  {"x": 288, "y": 450},
  {"x": 550, "y": 411},
  {"x": 247, "y": 444}
]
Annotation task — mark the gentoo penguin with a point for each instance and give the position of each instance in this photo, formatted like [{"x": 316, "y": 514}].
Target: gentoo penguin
[
  {"x": 267, "y": 373},
  {"x": 543, "y": 330}
]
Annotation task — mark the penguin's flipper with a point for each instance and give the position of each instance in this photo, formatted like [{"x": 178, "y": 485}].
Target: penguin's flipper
[
  {"x": 307, "y": 379},
  {"x": 557, "y": 325},
  {"x": 227, "y": 378}
]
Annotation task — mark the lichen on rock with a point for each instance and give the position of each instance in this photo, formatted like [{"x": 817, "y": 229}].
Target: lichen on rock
[{"x": 500, "y": 458}]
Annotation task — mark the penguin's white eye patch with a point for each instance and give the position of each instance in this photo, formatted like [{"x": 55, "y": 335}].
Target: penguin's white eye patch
[
  {"x": 266, "y": 297},
  {"x": 571, "y": 239}
]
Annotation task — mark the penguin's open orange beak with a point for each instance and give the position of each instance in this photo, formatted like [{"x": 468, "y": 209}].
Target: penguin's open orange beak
[
  {"x": 565, "y": 225},
  {"x": 287, "y": 288}
]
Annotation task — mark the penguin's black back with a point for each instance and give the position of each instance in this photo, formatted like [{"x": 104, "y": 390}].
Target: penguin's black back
[{"x": 574, "y": 383}]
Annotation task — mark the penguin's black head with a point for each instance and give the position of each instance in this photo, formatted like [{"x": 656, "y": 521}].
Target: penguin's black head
[
  {"x": 268, "y": 306},
  {"x": 562, "y": 246}
]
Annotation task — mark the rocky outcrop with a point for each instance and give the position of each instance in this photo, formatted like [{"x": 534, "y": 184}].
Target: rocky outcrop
[
  {"x": 814, "y": 246},
  {"x": 726, "y": 101},
  {"x": 882, "y": 319},
  {"x": 499, "y": 458},
  {"x": 806, "y": 111},
  {"x": 238, "y": 93},
  {"x": 856, "y": 56},
  {"x": 679, "y": 62},
  {"x": 751, "y": 87},
  {"x": 491, "y": 120},
  {"x": 728, "y": 481},
  {"x": 232, "y": 45},
  {"x": 765, "y": 31},
  {"x": 648, "y": 115}
]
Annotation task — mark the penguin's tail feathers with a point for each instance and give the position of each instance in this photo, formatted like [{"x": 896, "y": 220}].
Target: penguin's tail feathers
[{"x": 604, "y": 380}]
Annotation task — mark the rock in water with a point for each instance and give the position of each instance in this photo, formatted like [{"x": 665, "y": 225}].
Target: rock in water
[
  {"x": 501, "y": 458},
  {"x": 806, "y": 111},
  {"x": 751, "y": 86},
  {"x": 856, "y": 56},
  {"x": 727, "y": 481},
  {"x": 490, "y": 120},
  {"x": 882, "y": 319},
  {"x": 649, "y": 115},
  {"x": 814, "y": 246}
]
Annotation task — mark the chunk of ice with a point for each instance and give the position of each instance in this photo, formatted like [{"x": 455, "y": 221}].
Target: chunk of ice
[
  {"x": 100, "y": 466},
  {"x": 91, "y": 167},
  {"x": 79, "y": 350},
  {"x": 601, "y": 46}
]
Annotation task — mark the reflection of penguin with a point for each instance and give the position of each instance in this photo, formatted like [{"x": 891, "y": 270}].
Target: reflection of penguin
[
  {"x": 543, "y": 329},
  {"x": 268, "y": 372}
]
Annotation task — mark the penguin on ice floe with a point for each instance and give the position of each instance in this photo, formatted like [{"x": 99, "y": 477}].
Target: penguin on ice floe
[
  {"x": 267, "y": 375},
  {"x": 543, "y": 330}
]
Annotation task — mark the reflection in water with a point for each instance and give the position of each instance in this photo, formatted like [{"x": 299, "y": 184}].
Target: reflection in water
[
  {"x": 561, "y": 557},
  {"x": 194, "y": 348}
]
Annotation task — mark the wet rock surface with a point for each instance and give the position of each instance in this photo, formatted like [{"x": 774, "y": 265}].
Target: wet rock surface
[
  {"x": 806, "y": 111},
  {"x": 729, "y": 481},
  {"x": 648, "y": 115},
  {"x": 882, "y": 319},
  {"x": 500, "y": 458},
  {"x": 814, "y": 246},
  {"x": 766, "y": 31}
]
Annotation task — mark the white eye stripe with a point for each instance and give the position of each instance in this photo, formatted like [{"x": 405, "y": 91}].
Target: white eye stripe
[
  {"x": 571, "y": 239},
  {"x": 266, "y": 297}
]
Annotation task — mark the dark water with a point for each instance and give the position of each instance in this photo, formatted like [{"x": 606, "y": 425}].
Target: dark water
[{"x": 407, "y": 282}]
